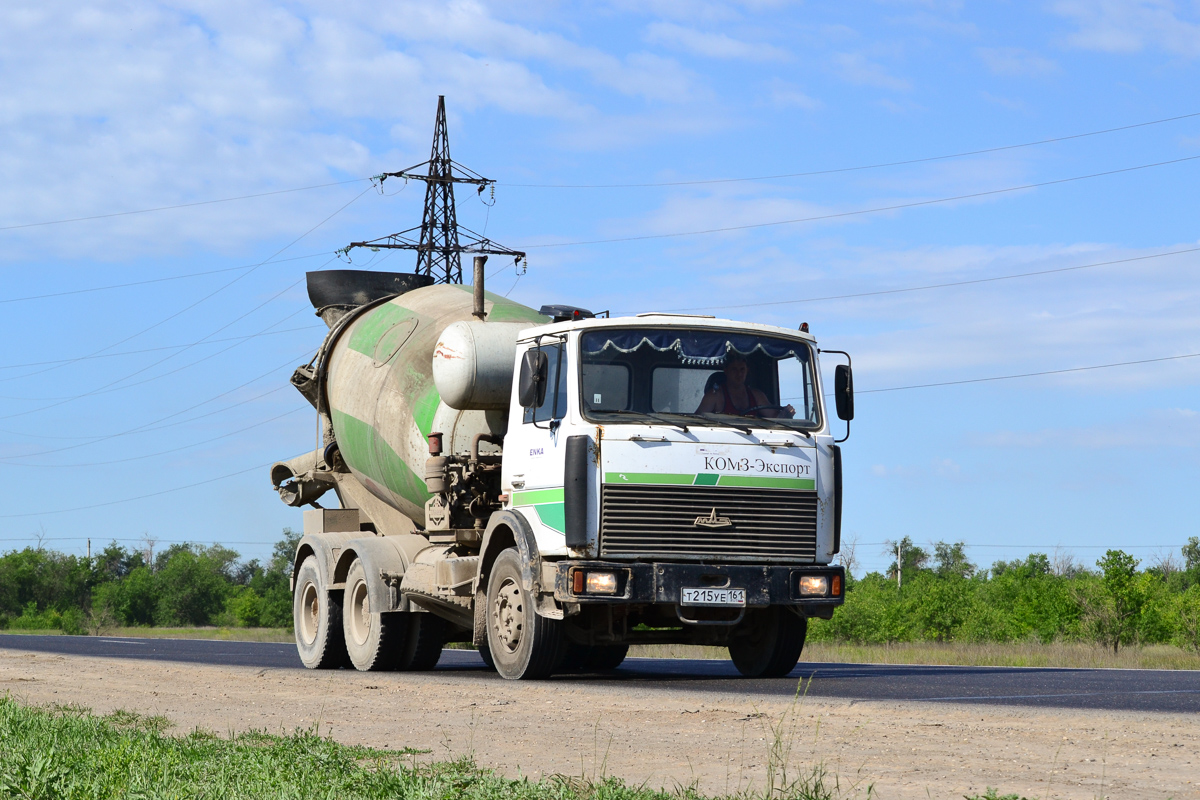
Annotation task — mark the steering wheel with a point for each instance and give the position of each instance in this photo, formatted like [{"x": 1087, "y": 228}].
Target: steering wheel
[{"x": 791, "y": 411}]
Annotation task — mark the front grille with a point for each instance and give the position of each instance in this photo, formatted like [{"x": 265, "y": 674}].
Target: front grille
[{"x": 661, "y": 521}]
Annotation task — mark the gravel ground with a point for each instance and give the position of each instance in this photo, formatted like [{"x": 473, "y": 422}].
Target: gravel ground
[{"x": 721, "y": 741}]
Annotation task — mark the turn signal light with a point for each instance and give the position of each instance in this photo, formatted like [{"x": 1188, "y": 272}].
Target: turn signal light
[
  {"x": 813, "y": 585},
  {"x": 836, "y": 591}
]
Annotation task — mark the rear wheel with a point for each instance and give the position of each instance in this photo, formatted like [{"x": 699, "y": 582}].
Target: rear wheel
[
  {"x": 423, "y": 641},
  {"x": 374, "y": 640},
  {"x": 523, "y": 645},
  {"x": 768, "y": 642},
  {"x": 317, "y": 618},
  {"x": 593, "y": 658}
]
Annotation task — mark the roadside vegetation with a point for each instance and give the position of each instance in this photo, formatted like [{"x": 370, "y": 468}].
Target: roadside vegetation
[
  {"x": 67, "y": 753},
  {"x": 935, "y": 607},
  {"x": 181, "y": 586},
  {"x": 942, "y": 597}
]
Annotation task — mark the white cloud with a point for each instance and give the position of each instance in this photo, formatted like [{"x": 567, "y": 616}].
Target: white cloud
[
  {"x": 711, "y": 45},
  {"x": 118, "y": 106},
  {"x": 787, "y": 95},
  {"x": 1169, "y": 427},
  {"x": 858, "y": 69},
  {"x": 1130, "y": 26},
  {"x": 1015, "y": 61}
]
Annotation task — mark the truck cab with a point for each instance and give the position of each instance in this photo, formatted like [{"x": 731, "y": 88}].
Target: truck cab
[{"x": 659, "y": 520}]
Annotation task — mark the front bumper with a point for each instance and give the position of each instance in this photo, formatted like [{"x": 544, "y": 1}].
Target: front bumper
[{"x": 663, "y": 583}]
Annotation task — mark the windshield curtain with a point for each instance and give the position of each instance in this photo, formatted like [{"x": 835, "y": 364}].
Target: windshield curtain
[
  {"x": 707, "y": 348},
  {"x": 656, "y": 371}
]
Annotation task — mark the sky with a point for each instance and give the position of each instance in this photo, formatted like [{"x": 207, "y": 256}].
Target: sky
[{"x": 889, "y": 172}]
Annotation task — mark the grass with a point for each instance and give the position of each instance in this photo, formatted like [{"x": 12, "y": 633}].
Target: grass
[
  {"x": 66, "y": 752},
  {"x": 279, "y": 635},
  {"x": 1007, "y": 654}
]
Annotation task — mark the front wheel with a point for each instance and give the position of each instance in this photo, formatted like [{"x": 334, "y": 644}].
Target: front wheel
[
  {"x": 523, "y": 645},
  {"x": 317, "y": 618},
  {"x": 768, "y": 642}
]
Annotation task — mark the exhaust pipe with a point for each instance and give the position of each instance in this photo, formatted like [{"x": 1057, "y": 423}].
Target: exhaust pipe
[{"x": 478, "y": 287}]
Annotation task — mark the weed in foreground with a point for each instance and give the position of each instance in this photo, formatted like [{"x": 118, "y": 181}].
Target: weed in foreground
[
  {"x": 993, "y": 794},
  {"x": 60, "y": 753}
]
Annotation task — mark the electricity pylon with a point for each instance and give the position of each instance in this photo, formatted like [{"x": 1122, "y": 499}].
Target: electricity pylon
[{"x": 441, "y": 240}]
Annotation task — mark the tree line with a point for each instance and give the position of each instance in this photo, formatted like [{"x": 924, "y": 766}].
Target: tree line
[
  {"x": 183, "y": 585},
  {"x": 936, "y": 595},
  {"x": 941, "y": 596}
]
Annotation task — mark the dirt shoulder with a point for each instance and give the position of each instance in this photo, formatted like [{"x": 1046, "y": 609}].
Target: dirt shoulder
[{"x": 720, "y": 741}]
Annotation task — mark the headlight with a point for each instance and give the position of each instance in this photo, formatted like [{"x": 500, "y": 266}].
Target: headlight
[
  {"x": 814, "y": 585},
  {"x": 601, "y": 583}
]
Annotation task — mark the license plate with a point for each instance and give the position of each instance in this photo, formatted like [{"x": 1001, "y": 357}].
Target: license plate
[{"x": 701, "y": 596}]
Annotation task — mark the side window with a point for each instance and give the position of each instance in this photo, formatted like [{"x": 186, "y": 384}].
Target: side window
[{"x": 555, "y": 404}]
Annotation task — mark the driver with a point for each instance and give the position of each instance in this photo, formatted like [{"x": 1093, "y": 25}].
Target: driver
[{"x": 735, "y": 398}]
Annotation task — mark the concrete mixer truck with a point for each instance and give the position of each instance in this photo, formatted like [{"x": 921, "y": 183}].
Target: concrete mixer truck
[{"x": 556, "y": 485}]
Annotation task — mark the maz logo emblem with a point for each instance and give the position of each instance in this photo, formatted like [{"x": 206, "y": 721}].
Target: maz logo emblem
[{"x": 712, "y": 521}]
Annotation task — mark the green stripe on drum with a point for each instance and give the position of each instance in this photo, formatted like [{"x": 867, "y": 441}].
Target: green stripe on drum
[
  {"x": 367, "y": 452},
  {"x": 425, "y": 408},
  {"x": 505, "y": 310},
  {"x": 367, "y": 332}
]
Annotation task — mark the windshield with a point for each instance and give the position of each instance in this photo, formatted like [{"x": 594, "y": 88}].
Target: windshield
[{"x": 718, "y": 377}]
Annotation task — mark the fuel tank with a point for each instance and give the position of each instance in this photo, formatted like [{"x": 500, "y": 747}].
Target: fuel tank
[{"x": 381, "y": 395}]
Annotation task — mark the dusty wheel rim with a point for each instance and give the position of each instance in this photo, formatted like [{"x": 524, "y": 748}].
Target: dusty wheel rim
[
  {"x": 508, "y": 615},
  {"x": 360, "y": 613},
  {"x": 310, "y": 610}
]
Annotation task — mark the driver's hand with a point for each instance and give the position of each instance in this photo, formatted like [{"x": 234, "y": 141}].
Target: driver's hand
[{"x": 789, "y": 411}]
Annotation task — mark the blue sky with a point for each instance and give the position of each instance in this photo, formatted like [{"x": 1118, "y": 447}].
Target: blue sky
[{"x": 110, "y": 107}]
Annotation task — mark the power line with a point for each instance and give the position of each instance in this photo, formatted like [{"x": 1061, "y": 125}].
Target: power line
[
  {"x": 102, "y": 437},
  {"x": 163, "y": 347},
  {"x": 148, "y": 426},
  {"x": 860, "y": 212},
  {"x": 181, "y": 205},
  {"x": 941, "y": 285},
  {"x": 1026, "y": 374},
  {"x": 152, "y": 280},
  {"x": 113, "y": 387},
  {"x": 208, "y": 296},
  {"x": 163, "y": 452},
  {"x": 119, "y": 539},
  {"x": 811, "y": 173},
  {"x": 140, "y": 496}
]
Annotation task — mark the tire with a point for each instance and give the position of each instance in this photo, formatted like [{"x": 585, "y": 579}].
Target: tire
[
  {"x": 486, "y": 655},
  {"x": 374, "y": 640},
  {"x": 523, "y": 645},
  {"x": 768, "y": 644},
  {"x": 593, "y": 658},
  {"x": 317, "y": 619},
  {"x": 423, "y": 641}
]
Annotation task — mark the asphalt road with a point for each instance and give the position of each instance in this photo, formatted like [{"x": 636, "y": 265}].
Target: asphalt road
[{"x": 1118, "y": 690}]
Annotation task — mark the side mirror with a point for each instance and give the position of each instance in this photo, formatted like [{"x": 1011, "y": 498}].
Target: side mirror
[
  {"x": 843, "y": 391},
  {"x": 531, "y": 386}
]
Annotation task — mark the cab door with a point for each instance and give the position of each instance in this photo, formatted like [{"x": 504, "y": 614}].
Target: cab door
[{"x": 534, "y": 449}]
